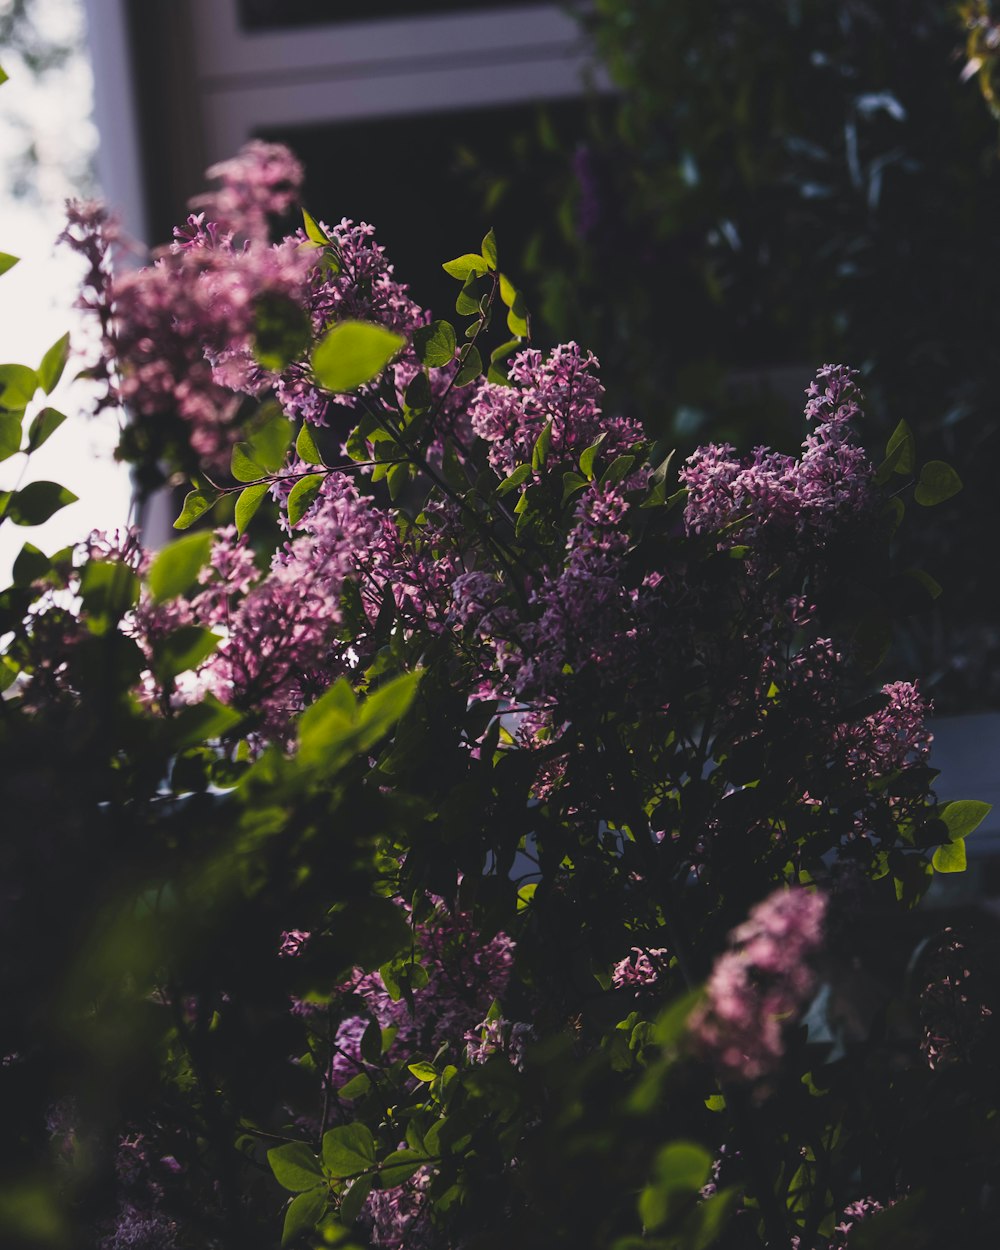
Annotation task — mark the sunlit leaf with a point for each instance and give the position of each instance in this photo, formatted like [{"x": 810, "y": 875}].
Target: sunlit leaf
[
  {"x": 247, "y": 504},
  {"x": 305, "y": 447},
  {"x": 295, "y": 1167},
  {"x": 304, "y": 1213},
  {"x": 435, "y": 344},
  {"x": 196, "y": 503},
  {"x": 175, "y": 568},
  {"x": 353, "y": 353},
  {"x": 53, "y": 364},
  {"x": 348, "y": 1150},
  {"x": 43, "y": 426},
  {"x": 462, "y": 266},
  {"x": 303, "y": 495}
]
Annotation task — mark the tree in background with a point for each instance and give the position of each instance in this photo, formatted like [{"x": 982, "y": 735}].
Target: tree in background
[
  {"x": 772, "y": 183},
  {"x": 48, "y": 152}
]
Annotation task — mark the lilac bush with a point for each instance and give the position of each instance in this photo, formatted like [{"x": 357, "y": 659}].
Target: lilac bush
[{"x": 482, "y": 829}]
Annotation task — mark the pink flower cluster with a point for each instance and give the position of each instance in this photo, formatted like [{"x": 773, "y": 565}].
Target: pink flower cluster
[
  {"x": 892, "y": 737},
  {"x": 828, "y": 487},
  {"x": 561, "y": 389},
  {"x": 641, "y": 969},
  {"x": 465, "y": 976},
  {"x": 178, "y": 335},
  {"x": 761, "y": 983}
]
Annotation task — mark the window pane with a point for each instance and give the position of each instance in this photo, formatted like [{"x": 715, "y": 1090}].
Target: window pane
[
  {"x": 422, "y": 182},
  {"x": 274, "y": 14}
]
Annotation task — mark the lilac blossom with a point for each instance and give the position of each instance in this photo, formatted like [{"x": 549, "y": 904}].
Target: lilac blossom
[
  {"x": 641, "y": 969},
  {"x": 763, "y": 981},
  {"x": 497, "y": 1036},
  {"x": 891, "y": 738},
  {"x": 262, "y": 181},
  {"x": 562, "y": 389},
  {"x": 465, "y": 976},
  {"x": 359, "y": 285},
  {"x": 828, "y": 488},
  {"x": 399, "y": 1218}
]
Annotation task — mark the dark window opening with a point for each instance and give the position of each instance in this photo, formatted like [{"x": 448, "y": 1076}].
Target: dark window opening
[
  {"x": 279, "y": 14},
  {"x": 425, "y": 184}
]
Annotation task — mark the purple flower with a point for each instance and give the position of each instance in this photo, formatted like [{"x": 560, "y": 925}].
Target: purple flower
[
  {"x": 827, "y": 489},
  {"x": 763, "y": 981},
  {"x": 562, "y": 389}
]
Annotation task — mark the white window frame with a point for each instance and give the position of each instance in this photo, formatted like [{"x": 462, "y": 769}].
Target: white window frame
[{"x": 250, "y": 80}]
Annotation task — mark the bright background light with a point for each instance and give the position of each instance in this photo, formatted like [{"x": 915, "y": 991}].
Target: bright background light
[{"x": 52, "y": 112}]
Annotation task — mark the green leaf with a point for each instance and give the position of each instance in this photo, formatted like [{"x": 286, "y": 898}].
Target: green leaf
[
  {"x": 963, "y": 816},
  {"x": 589, "y": 454},
  {"x": 18, "y": 384},
  {"x": 708, "y": 1219},
  {"x": 467, "y": 302},
  {"x": 247, "y": 504},
  {"x": 314, "y": 230},
  {"x": 108, "y": 590},
  {"x": 43, "y": 426},
  {"x": 525, "y": 894},
  {"x": 418, "y": 396},
  {"x": 295, "y": 1167},
  {"x": 3, "y": 75},
  {"x": 571, "y": 484},
  {"x": 398, "y": 1167},
  {"x": 176, "y": 567},
  {"x": 386, "y": 705},
  {"x": 182, "y": 651},
  {"x": 471, "y": 368},
  {"x": 270, "y": 437},
  {"x": 423, "y": 1071},
  {"x": 497, "y": 371},
  {"x": 200, "y": 722},
  {"x": 242, "y": 465},
  {"x": 305, "y": 447},
  {"x": 302, "y": 496},
  {"x": 196, "y": 503},
  {"x": 348, "y": 1150},
  {"x": 353, "y": 353},
  {"x": 6, "y": 260},
  {"x": 618, "y": 469},
  {"x": 508, "y": 292},
  {"x": 53, "y": 364},
  {"x": 30, "y": 565},
  {"x": 354, "y": 1198},
  {"x": 8, "y": 673},
  {"x": 517, "y": 316},
  {"x": 304, "y": 1213},
  {"x": 35, "y": 503},
  {"x": 489, "y": 249},
  {"x": 540, "y": 451},
  {"x": 679, "y": 1172},
  {"x": 397, "y": 479},
  {"x": 355, "y": 1087},
  {"x": 902, "y": 439},
  {"x": 435, "y": 344},
  {"x": 10, "y": 434},
  {"x": 924, "y": 579},
  {"x": 950, "y": 857},
  {"x": 517, "y": 478},
  {"x": 938, "y": 481},
  {"x": 462, "y": 266}
]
